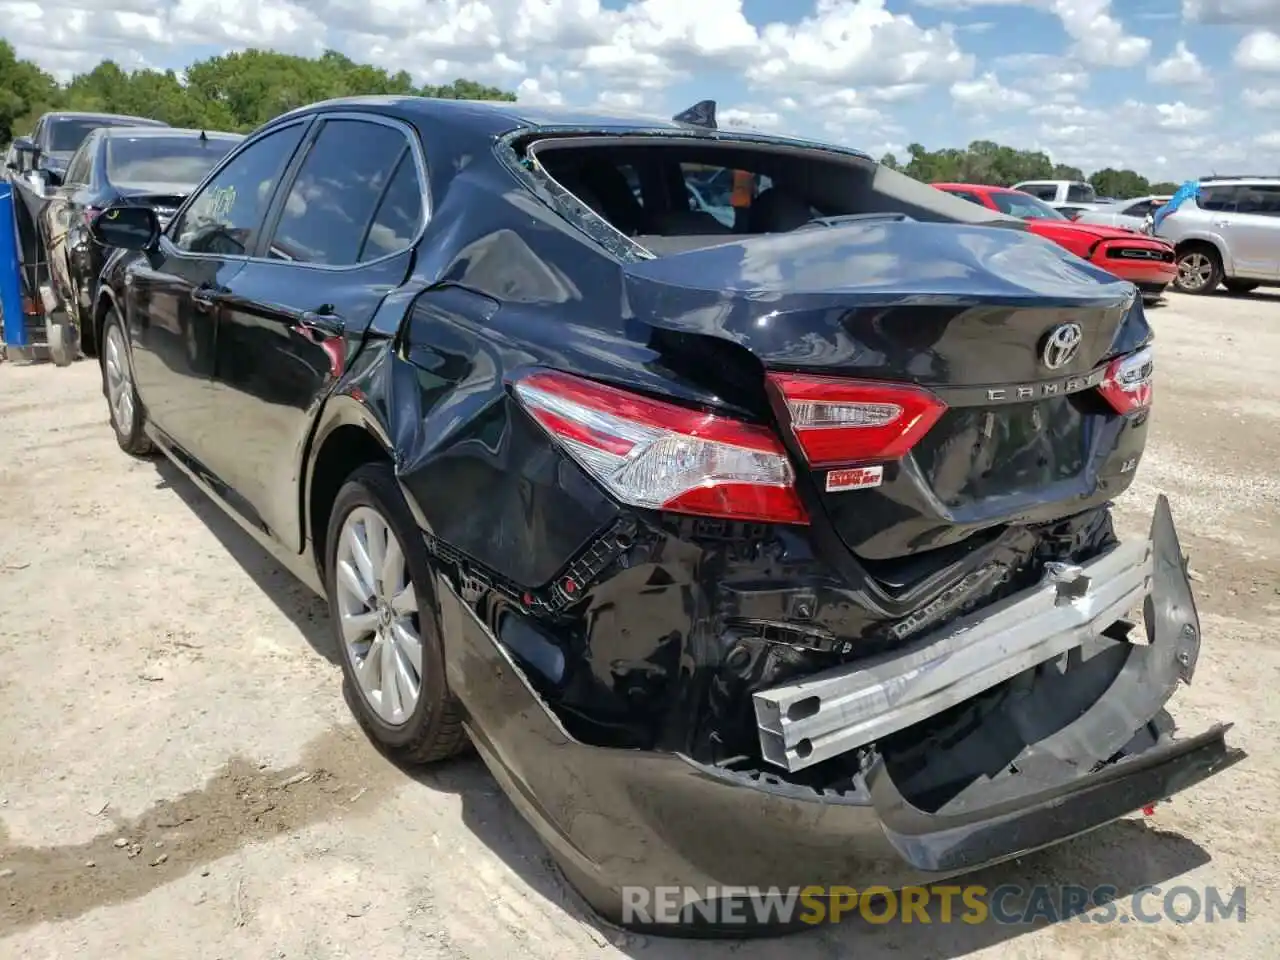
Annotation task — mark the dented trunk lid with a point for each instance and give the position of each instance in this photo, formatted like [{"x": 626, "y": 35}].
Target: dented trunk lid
[{"x": 963, "y": 311}]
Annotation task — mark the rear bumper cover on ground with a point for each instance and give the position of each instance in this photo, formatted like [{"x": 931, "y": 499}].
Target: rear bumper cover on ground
[{"x": 618, "y": 818}]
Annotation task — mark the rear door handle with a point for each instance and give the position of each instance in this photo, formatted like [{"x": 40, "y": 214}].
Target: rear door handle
[
  {"x": 1222, "y": 223},
  {"x": 319, "y": 326}
]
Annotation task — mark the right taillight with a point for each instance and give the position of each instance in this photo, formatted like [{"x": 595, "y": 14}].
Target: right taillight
[
  {"x": 1127, "y": 384},
  {"x": 660, "y": 456},
  {"x": 838, "y": 421}
]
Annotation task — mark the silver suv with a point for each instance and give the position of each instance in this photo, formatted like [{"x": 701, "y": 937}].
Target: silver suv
[{"x": 1229, "y": 236}]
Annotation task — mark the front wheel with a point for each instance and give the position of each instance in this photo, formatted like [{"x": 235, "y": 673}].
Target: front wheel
[
  {"x": 387, "y": 624},
  {"x": 1199, "y": 271},
  {"x": 122, "y": 399}
]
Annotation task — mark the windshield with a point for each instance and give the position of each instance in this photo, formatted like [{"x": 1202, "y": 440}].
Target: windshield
[
  {"x": 66, "y": 135},
  {"x": 153, "y": 159},
  {"x": 1024, "y": 206}
]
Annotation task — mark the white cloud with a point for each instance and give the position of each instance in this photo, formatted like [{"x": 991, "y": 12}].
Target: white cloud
[
  {"x": 1248, "y": 12},
  {"x": 1269, "y": 141},
  {"x": 1263, "y": 99},
  {"x": 1180, "y": 68},
  {"x": 987, "y": 93},
  {"x": 1259, "y": 52},
  {"x": 1099, "y": 39},
  {"x": 857, "y": 41}
]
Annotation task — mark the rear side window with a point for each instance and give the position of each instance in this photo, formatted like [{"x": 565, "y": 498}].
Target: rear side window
[
  {"x": 399, "y": 215},
  {"x": 336, "y": 199},
  {"x": 1042, "y": 191},
  {"x": 1222, "y": 199},
  {"x": 1260, "y": 199},
  {"x": 1139, "y": 209},
  {"x": 1080, "y": 193}
]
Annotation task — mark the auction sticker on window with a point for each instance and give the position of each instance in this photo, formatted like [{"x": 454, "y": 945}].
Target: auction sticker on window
[{"x": 854, "y": 478}]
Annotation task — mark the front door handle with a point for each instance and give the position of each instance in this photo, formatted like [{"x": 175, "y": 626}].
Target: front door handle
[
  {"x": 1222, "y": 223},
  {"x": 204, "y": 296}
]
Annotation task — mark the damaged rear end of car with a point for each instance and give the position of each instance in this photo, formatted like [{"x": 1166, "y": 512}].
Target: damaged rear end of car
[{"x": 827, "y": 590}]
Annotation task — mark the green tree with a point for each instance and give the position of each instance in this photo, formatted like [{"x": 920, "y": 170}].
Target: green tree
[
  {"x": 26, "y": 91},
  {"x": 1121, "y": 184}
]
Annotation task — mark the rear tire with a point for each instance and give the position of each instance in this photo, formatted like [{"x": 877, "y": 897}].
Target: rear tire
[
  {"x": 1199, "y": 269},
  {"x": 123, "y": 405},
  {"x": 1239, "y": 287},
  {"x": 60, "y": 336},
  {"x": 386, "y": 622}
]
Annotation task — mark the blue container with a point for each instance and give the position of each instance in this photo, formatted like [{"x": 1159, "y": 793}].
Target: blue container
[{"x": 15, "y": 327}]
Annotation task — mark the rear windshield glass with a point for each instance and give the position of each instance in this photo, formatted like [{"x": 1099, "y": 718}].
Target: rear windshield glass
[
  {"x": 65, "y": 136},
  {"x": 176, "y": 160}
]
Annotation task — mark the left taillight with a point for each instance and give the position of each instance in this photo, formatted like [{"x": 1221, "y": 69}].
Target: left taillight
[
  {"x": 660, "y": 456},
  {"x": 1128, "y": 383},
  {"x": 838, "y": 421}
]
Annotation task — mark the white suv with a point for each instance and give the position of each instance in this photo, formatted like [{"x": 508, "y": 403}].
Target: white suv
[{"x": 1229, "y": 236}]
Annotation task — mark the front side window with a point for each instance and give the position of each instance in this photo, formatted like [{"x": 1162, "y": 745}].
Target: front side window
[
  {"x": 78, "y": 168},
  {"x": 149, "y": 160},
  {"x": 225, "y": 217},
  {"x": 335, "y": 198}
]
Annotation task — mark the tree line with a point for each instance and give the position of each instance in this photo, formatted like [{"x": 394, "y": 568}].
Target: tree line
[
  {"x": 239, "y": 91},
  {"x": 234, "y": 91},
  {"x": 992, "y": 163}
]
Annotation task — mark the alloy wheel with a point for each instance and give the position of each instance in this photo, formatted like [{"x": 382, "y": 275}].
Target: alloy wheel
[
  {"x": 1194, "y": 271},
  {"x": 378, "y": 612},
  {"x": 119, "y": 380}
]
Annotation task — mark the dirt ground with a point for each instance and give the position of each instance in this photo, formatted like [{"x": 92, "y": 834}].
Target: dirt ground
[{"x": 179, "y": 776}]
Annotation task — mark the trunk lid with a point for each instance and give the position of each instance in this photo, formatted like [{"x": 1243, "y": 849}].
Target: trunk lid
[
  {"x": 962, "y": 311},
  {"x": 164, "y": 198}
]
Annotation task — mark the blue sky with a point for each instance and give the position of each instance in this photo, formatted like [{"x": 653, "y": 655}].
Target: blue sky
[{"x": 1171, "y": 88}]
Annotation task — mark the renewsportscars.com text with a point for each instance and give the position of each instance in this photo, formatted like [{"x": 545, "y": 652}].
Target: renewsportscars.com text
[{"x": 969, "y": 904}]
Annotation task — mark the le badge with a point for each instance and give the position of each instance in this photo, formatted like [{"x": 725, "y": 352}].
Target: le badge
[{"x": 854, "y": 478}]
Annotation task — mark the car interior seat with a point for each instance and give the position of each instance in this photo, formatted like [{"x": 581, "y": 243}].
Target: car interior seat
[{"x": 777, "y": 211}]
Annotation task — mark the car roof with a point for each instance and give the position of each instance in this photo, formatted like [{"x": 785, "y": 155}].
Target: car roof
[
  {"x": 153, "y": 131},
  {"x": 85, "y": 115},
  {"x": 981, "y": 187},
  {"x": 500, "y": 117}
]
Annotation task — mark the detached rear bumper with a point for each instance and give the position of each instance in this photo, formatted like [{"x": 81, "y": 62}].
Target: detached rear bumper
[{"x": 617, "y": 819}]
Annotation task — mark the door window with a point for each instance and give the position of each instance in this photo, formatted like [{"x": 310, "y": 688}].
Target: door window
[
  {"x": 1260, "y": 199},
  {"x": 1221, "y": 199},
  {"x": 1139, "y": 209},
  {"x": 78, "y": 168},
  {"x": 335, "y": 202},
  {"x": 1080, "y": 193},
  {"x": 225, "y": 217},
  {"x": 399, "y": 215}
]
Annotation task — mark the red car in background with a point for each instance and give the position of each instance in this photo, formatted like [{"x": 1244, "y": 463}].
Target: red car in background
[{"x": 1146, "y": 262}]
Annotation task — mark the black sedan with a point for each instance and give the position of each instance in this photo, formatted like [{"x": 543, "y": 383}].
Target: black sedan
[
  {"x": 153, "y": 165},
  {"x": 765, "y": 549}
]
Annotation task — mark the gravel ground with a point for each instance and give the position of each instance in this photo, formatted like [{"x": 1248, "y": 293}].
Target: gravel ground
[{"x": 179, "y": 776}]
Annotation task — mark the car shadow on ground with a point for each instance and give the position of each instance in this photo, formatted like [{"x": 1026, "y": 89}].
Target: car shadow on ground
[
  {"x": 1125, "y": 857},
  {"x": 306, "y": 611}
]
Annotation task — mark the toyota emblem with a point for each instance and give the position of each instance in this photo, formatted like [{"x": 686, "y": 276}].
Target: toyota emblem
[{"x": 1062, "y": 345}]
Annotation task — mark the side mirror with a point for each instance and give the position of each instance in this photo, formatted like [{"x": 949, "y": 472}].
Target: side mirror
[
  {"x": 52, "y": 178},
  {"x": 25, "y": 153},
  {"x": 130, "y": 228}
]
